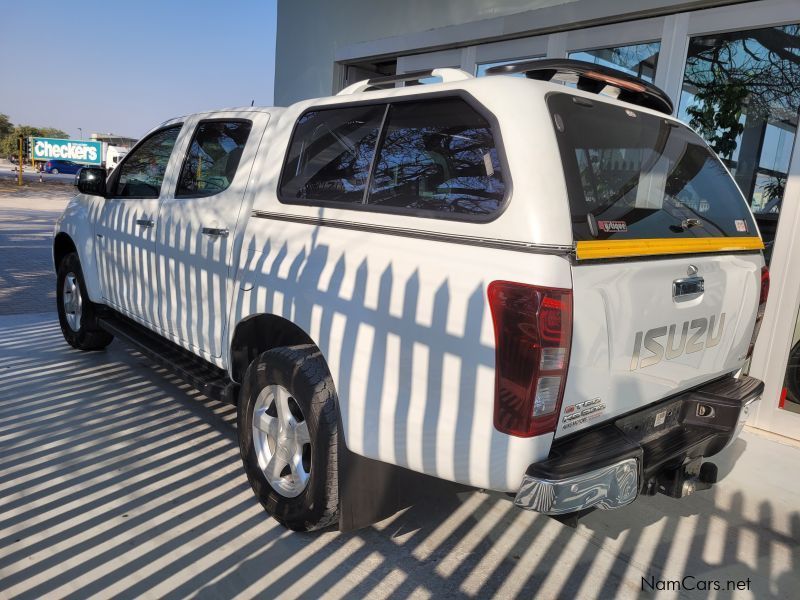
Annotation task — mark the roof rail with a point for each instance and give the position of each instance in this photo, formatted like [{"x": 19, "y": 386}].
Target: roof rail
[
  {"x": 592, "y": 78},
  {"x": 446, "y": 74}
]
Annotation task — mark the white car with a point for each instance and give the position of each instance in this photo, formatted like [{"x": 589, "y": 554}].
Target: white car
[{"x": 500, "y": 282}]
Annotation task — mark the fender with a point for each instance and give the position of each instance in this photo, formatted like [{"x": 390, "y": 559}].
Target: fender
[{"x": 77, "y": 221}]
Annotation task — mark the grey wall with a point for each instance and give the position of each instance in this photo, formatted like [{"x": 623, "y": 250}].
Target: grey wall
[{"x": 311, "y": 33}]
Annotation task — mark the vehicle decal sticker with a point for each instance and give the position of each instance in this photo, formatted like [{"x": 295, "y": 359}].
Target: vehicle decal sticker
[
  {"x": 612, "y": 226},
  {"x": 580, "y": 413},
  {"x": 651, "y": 247},
  {"x": 741, "y": 225}
]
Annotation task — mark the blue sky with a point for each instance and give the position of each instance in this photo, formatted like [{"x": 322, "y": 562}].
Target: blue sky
[{"x": 124, "y": 67}]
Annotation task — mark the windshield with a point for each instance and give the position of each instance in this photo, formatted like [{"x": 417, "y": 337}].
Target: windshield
[{"x": 633, "y": 175}]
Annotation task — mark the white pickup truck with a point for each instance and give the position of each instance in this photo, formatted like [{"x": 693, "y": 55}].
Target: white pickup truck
[{"x": 502, "y": 282}]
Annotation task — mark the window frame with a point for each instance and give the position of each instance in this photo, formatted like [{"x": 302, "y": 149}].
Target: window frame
[
  {"x": 113, "y": 179},
  {"x": 469, "y": 99},
  {"x": 189, "y": 149}
]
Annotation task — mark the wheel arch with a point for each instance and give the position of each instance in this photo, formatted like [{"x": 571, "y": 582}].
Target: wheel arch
[
  {"x": 62, "y": 245},
  {"x": 261, "y": 332}
]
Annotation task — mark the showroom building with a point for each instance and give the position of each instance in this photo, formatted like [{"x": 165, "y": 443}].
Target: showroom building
[{"x": 731, "y": 68}]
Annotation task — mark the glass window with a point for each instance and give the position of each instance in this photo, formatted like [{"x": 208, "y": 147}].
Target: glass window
[
  {"x": 438, "y": 155},
  {"x": 213, "y": 157},
  {"x": 741, "y": 92},
  {"x": 635, "y": 175},
  {"x": 142, "y": 173},
  {"x": 790, "y": 395},
  {"x": 330, "y": 154},
  {"x": 639, "y": 60}
]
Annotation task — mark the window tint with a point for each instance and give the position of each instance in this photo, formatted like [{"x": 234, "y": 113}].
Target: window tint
[
  {"x": 330, "y": 154},
  {"x": 142, "y": 172},
  {"x": 439, "y": 156},
  {"x": 635, "y": 175},
  {"x": 213, "y": 157}
]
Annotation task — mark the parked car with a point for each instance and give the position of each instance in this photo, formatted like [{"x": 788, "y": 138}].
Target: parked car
[
  {"x": 498, "y": 282},
  {"x": 62, "y": 166}
]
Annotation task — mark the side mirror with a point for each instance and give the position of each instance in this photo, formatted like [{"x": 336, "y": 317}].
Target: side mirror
[{"x": 92, "y": 181}]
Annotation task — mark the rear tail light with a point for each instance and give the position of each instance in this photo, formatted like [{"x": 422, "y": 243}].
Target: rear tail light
[
  {"x": 533, "y": 332},
  {"x": 762, "y": 305}
]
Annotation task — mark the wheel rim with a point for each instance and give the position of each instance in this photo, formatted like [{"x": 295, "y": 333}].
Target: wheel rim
[
  {"x": 282, "y": 441},
  {"x": 73, "y": 301}
]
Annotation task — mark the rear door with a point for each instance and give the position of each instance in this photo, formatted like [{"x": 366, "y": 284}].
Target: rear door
[
  {"x": 197, "y": 228},
  {"x": 668, "y": 272}
]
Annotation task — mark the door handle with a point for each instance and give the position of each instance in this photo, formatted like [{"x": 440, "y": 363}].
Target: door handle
[
  {"x": 215, "y": 231},
  {"x": 688, "y": 288},
  {"x": 144, "y": 222}
]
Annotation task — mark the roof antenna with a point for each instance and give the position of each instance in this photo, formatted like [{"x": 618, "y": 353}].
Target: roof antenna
[{"x": 252, "y": 101}]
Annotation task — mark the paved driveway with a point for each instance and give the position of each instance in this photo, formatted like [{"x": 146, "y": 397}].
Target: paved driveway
[
  {"x": 117, "y": 480},
  {"x": 27, "y": 217}
]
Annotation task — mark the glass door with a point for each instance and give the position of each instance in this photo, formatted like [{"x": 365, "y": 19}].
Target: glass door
[{"x": 741, "y": 92}]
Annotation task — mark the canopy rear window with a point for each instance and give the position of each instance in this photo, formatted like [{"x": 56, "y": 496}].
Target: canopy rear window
[{"x": 633, "y": 175}]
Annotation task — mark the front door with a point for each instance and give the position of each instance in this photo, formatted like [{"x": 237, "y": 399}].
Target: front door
[
  {"x": 197, "y": 228},
  {"x": 127, "y": 224}
]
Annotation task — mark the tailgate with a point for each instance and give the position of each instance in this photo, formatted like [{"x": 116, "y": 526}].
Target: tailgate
[
  {"x": 667, "y": 275},
  {"x": 634, "y": 343}
]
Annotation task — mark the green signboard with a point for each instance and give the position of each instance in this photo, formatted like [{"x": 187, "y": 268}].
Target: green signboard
[{"x": 90, "y": 153}]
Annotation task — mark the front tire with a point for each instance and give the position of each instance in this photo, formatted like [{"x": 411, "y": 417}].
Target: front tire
[
  {"x": 288, "y": 434},
  {"x": 77, "y": 315}
]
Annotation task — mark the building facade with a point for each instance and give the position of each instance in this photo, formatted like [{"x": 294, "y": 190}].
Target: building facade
[{"x": 731, "y": 68}]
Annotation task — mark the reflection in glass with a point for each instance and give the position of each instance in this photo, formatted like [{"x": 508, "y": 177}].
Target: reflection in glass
[
  {"x": 637, "y": 59},
  {"x": 790, "y": 397},
  {"x": 142, "y": 173},
  {"x": 213, "y": 158},
  {"x": 437, "y": 156},
  {"x": 644, "y": 172},
  {"x": 330, "y": 154},
  {"x": 741, "y": 92}
]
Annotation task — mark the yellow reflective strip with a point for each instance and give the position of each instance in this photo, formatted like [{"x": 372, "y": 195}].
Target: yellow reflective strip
[{"x": 621, "y": 248}]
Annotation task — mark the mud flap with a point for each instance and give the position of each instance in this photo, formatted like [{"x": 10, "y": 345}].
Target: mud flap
[{"x": 371, "y": 490}]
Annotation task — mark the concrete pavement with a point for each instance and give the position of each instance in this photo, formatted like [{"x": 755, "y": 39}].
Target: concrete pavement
[
  {"x": 27, "y": 218},
  {"x": 118, "y": 480}
]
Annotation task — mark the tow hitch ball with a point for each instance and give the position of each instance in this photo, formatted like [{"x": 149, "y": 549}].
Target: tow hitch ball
[{"x": 685, "y": 480}]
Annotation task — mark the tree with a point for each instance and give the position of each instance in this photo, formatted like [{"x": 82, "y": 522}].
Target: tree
[
  {"x": 5, "y": 126},
  {"x": 8, "y": 144}
]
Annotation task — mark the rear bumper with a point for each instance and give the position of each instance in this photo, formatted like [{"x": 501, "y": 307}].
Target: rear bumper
[{"x": 609, "y": 465}]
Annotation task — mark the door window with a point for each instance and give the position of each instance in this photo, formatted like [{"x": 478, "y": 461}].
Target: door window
[
  {"x": 330, "y": 154},
  {"x": 213, "y": 158},
  {"x": 142, "y": 173},
  {"x": 741, "y": 92}
]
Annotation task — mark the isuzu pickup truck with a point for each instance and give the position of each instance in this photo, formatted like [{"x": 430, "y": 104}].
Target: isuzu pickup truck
[{"x": 541, "y": 285}]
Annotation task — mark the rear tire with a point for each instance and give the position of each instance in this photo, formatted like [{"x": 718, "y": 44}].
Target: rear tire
[
  {"x": 290, "y": 456},
  {"x": 54, "y": 171},
  {"x": 77, "y": 315}
]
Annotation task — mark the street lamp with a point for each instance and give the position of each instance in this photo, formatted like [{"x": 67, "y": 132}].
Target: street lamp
[{"x": 81, "y": 131}]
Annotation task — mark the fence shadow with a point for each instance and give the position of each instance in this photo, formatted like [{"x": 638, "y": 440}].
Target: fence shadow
[
  {"x": 116, "y": 479},
  {"x": 119, "y": 480}
]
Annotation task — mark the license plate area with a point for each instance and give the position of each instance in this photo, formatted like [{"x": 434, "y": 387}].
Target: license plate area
[{"x": 646, "y": 425}]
